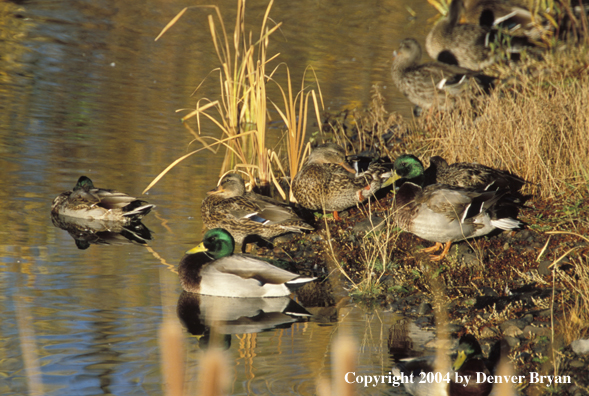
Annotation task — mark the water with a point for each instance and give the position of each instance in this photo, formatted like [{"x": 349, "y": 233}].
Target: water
[{"x": 84, "y": 89}]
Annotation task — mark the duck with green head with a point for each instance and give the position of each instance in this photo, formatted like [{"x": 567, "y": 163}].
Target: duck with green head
[
  {"x": 443, "y": 213},
  {"x": 211, "y": 268},
  {"x": 458, "y": 174},
  {"x": 92, "y": 203},
  {"x": 469, "y": 360}
]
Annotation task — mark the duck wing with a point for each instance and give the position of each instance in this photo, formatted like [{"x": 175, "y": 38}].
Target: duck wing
[
  {"x": 110, "y": 199},
  {"x": 248, "y": 268}
]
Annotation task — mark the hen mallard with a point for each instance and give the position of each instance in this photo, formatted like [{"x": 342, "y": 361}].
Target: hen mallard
[
  {"x": 247, "y": 214},
  {"x": 459, "y": 174},
  {"x": 211, "y": 268},
  {"x": 327, "y": 182},
  {"x": 469, "y": 360},
  {"x": 433, "y": 84},
  {"x": 89, "y": 202},
  {"x": 514, "y": 16},
  {"x": 465, "y": 44},
  {"x": 444, "y": 214}
]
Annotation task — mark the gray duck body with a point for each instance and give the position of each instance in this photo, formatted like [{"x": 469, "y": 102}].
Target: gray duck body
[{"x": 442, "y": 213}]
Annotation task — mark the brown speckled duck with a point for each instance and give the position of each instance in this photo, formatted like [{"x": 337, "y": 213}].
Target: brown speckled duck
[
  {"x": 467, "y": 44},
  {"x": 472, "y": 175},
  {"x": 327, "y": 182},
  {"x": 514, "y": 16},
  {"x": 244, "y": 214},
  {"x": 433, "y": 84},
  {"x": 89, "y": 202}
]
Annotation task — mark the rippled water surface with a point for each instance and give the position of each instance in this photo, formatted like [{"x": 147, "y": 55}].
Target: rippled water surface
[{"x": 85, "y": 89}]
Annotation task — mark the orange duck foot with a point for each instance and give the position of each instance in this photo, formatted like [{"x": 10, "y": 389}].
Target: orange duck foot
[
  {"x": 336, "y": 216},
  {"x": 434, "y": 248},
  {"x": 444, "y": 252}
]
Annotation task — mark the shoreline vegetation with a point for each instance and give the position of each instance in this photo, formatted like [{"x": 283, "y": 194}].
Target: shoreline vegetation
[{"x": 535, "y": 123}]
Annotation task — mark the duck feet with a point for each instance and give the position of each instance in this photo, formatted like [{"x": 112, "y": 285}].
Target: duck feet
[
  {"x": 434, "y": 248},
  {"x": 444, "y": 252}
]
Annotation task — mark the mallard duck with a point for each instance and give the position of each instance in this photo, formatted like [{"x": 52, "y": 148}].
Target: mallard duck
[
  {"x": 433, "y": 84},
  {"x": 472, "y": 175},
  {"x": 465, "y": 44},
  {"x": 327, "y": 182},
  {"x": 459, "y": 174},
  {"x": 247, "y": 214},
  {"x": 469, "y": 360},
  {"x": 91, "y": 203},
  {"x": 211, "y": 268},
  {"x": 511, "y": 15},
  {"x": 444, "y": 214}
]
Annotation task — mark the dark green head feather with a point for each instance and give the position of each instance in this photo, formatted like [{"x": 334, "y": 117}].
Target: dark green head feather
[
  {"x": 84, "y": 182},
  {"x": 468, "y": 348},
  {"x": 410, "y": 168},
  {"x": 217, "y": 243}
]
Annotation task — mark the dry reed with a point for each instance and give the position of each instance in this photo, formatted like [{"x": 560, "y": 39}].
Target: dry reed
[
  {"x": 241, "y": 112},
  {"x": 535, "y": 124}
]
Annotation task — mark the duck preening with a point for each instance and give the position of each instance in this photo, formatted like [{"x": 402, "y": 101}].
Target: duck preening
[{"x": 327, "y": 182}]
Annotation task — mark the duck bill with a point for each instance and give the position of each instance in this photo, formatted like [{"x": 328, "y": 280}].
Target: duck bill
[
  {"x": 459, "y": 360},
  {"x": 347, "y": 167},
  {"x": 198, "y": 249},
  {"x": 217, "y": 190},
  {"x": 394, "y": 177}
]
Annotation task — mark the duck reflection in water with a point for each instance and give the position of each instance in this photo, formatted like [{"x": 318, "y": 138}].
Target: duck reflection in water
[
  {"x": 100, "y": 232},
  {"x": 226, "y": 315}
]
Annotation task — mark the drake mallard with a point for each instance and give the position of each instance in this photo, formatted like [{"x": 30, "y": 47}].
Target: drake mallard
[
  {"x": 433, "y": 84},
  {"x": 327, "y": 182},
  {"x": 91, "y": 203},
  {"x": 444, "y": 214},
  {"x": 459, "y": 174},
  {"x": 469, "y": 360},
  {"x": 247, "y": 214},
  {"x": 211, "y": 268}
]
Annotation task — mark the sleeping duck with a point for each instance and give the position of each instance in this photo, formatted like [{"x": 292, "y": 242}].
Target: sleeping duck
[{"x": 91, "y": 203}]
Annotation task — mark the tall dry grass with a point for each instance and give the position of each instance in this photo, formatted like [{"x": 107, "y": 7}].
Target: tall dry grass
[
  {"x": 535, "y": 124},
  {"x": 241, "y": 113}
]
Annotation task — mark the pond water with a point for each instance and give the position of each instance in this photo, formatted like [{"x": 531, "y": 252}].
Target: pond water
[{"x": 85, "y": 89}]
